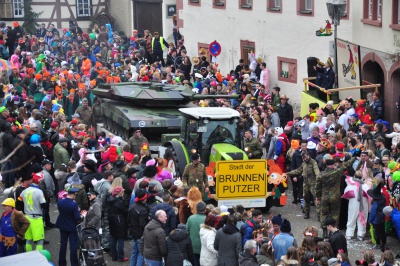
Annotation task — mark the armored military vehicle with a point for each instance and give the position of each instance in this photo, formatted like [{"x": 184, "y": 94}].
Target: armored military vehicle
[{"x": 150, "y": 106}]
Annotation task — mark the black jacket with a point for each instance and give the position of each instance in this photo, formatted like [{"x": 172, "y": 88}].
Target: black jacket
[
  {"x": 179, "y": 247},
  {"x": 117, "y": 216},
  {"x": 285, "y": 114},
  {"x": 36, "y": 153},
  {"x": 138, "y": 218},
  {"x": 87, "y": 179},
  {"x": 297, "y": 160},
  {"x": 338, "y": 241},
  {"x": 21, "y": 156}
]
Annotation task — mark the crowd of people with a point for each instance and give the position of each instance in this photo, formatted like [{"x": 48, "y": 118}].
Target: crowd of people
[{"x": 344, "y": 160}]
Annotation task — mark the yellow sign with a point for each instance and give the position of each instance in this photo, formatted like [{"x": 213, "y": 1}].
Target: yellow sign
[{"x": 241, "y": 179}]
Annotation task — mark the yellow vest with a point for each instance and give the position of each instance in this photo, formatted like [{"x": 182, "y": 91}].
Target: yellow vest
[{"x": 161, "y": 42}]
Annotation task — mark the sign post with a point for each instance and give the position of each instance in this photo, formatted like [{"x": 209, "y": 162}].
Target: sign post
[
  {"x": 241, "y": 182},
  {"x": 214, "y": 48}
]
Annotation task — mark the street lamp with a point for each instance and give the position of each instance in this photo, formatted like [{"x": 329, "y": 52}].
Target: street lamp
[{"x": 336, "y": 10}]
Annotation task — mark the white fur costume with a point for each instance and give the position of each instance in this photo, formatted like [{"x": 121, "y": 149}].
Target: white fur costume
[{"x": 355, "y": 215}]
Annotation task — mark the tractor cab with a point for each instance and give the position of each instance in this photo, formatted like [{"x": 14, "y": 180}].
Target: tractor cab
[{"x": 213, "y": 133}]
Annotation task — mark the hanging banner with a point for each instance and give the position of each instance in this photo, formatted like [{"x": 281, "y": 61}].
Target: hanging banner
[{"x": 349, "y": 69}]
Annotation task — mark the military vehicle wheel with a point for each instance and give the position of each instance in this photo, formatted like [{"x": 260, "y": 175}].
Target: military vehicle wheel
[
  {"x": 125, "y": 134},
  {"x": 173, "y": 161}
]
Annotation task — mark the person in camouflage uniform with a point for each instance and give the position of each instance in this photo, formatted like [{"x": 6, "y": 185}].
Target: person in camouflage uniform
[
  {"x": 328, "y": 189},
  {"x": 136, "y": 141},
  {"x": 309, "y": 170},
  {"x": 85, "y": 113},
  {"x": 195, "y": 174},
  {"x": 252, "y": 146}
]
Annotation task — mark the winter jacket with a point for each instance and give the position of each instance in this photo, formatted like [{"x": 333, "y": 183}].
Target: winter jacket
[
  {"x": 208, "y": 255},
  {"x": 60, "y": 156},
  {"x": 93, "y": 216},
  {"x": 262, "y": 259},
  {"x": 285, "y": 113},
  {"x": 21, "y": 155},
  {"x": 81, "y": 197},
  {"x": 171, "y": 217},
  {"x": 49, "y": 184},
  {"x": 87, "y": 179},
  {"x": 376, "y": 215},
  {"x": 246, "y": 259},
  {"x": 378, "y": 107},
  {"x": 275, "y": 120},
  {"x": 193, "y": 228},
  {"x": 125, "y": 185},
  {"x": 179, "y": 247},
  {"x": 248, "y": 229},
  {"x": 137, "y": 219},
  {"x": 228, "y": 242},
  {"x": 36, "y": 152},
  {"x": 153, "y": 245},
  {"x": 117, "y": 216},
  {"x": 102, "y": 188}
]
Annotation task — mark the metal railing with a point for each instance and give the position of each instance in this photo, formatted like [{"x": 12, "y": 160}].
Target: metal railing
[{"x": 307, "y": 83}]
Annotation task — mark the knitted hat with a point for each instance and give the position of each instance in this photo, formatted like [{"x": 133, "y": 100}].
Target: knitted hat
[
  {"x": 285, "y": 226},
  {"x": 141, "y": 195},
  {"x": 277, "y": 219},
  {"x": 195, "y": 156},
  {"x": 37, "y": 177}
]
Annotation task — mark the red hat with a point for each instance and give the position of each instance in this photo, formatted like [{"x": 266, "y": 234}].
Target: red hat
[
  {"x": 38, "y": 76},
  {"x": 290, "y": 123},
  {"x": 37, "y": 177},
  {"x": 82, "y": 133},
  {"x": 54, "y": 124},
  {"x": 339, "y": 146},
  {"x": 74, "y": 122}
]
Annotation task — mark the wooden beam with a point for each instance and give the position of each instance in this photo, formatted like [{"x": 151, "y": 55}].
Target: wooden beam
[{"x": 372, "y": 86}]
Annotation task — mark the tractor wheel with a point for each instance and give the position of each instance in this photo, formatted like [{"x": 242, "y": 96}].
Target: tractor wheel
[{"x": 173, "y": 162}]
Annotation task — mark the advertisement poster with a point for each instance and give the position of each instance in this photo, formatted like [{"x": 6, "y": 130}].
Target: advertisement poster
[{"x": 349, "y": 70}]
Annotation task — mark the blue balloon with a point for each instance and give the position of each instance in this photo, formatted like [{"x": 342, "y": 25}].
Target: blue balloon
[{"x": 52, "y": 264}]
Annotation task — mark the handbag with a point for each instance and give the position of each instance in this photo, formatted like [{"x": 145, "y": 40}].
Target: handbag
[
  {"x": 178, "y": 35},
  {"x": 185, "y": 262}
]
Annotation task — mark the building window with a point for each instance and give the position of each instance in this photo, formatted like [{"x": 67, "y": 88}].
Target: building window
[
  {"x": 247, "y": 47},
  {"x": 203, "y": 51},
  {"x": 18, "y": 8},
  {"x": 194, "y": 2},
  {"x": 83, "y": 8},
  {"x": 274, "y": 6},
  {"x": 305, "y": 7},
  {"x": 6, "y": 9},
  {"x": 219, "y": 4},
  {"x": 287, "y": 69},
  {"x": 372, "y": 13},
  {"x": 347, "y": 14},
  {"x": 395, "y": 15},
  {"x": 246, "y": 4}
]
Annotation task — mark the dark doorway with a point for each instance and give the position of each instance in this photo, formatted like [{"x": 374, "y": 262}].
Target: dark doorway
[
  {"x": 148, "y": 16},
  {"x": 373, "y": 73},
  {"x": 395, "y": 114}
]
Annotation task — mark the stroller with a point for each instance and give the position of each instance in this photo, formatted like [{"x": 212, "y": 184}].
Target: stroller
[{"x": 91, "y": 252}]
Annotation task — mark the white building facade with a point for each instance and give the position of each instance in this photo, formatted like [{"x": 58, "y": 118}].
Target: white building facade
[{"x": 282, "y": 32}]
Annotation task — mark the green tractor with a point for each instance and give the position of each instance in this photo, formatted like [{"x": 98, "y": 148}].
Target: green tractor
[{"x": 212, "y": 132}]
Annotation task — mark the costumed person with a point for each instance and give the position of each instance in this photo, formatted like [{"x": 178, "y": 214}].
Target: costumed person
[
  {"x": 194, "y": 196},
  {"x": 13, "y": 226},
  {"x": 34, "y": 201},
  {"x": 328, "y": 28},
  {"x": 356, "y": 193}
]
